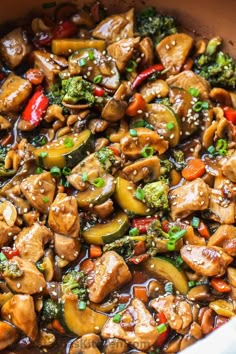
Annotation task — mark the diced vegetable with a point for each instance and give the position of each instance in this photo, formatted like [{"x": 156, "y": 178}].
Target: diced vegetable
[
  {"x": 220, "y": 285},
  {"x": 194, "y": 169},
  {"x": 140, "y": 292},
  {"x": 67, "y": 46}
]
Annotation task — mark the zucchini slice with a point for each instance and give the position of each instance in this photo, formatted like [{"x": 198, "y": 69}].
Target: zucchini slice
[
  {"x": 124, "y": 195},
  {"x": 100, "y": 234},
  {"x": 165, "y": 122},
  {"x": 164, "y": 268},
  {"x": 65, "y": 151},
  {"x": 78, "y": 321},
  {"x": 66, "y": 46}
]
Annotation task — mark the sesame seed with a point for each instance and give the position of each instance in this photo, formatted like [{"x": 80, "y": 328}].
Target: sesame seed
[
  {"x": 18, "y": 285},
  {"x": 167, "y": 46}
]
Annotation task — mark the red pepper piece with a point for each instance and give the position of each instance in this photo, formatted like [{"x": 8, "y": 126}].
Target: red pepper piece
[
  {"x": 114, "y": 150},
  {"x": 142, "y": 223},
  {"x": 140, "y": 248},
  {"x": 64, "y": 30},
  {"x": 10, "y": 252},
  {"x": 35, "y": 108},
  {"x": 145, "y": 73},
  {"x": 43, "y": 39},
  {"x": 230, "y": 114},
  {"x": 163, "y": 336},
  {"x": 220, "y": 285},
  {"x": 139, "y": 259},
  {"x": 98, "y": 91}
]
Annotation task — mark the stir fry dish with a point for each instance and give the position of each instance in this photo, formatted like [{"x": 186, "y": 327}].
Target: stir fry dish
[{"x": 118, "y": 183}]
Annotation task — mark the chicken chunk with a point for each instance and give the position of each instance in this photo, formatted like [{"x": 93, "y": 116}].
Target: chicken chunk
[
  {"x": 187, "y": 79},
  {"x": 32, "y": 280},
  {"x": 13, "y": 93},
  {"x": 8, "y": 335},
  {"x": 45, "y": 62},
  {"x": 64, "y": 216},
  {"x": 137, "y": 326},
  {"x": 221, "y": 209},
  {"x": 188, "y": 198},
  {"x": 31, "y": 240},
  {"x": 7, "y": 233},
  {"x": 224, "y": 232},
  {"x": 116, "y": 27},
  {"x": 122, "y": 51},
  {"x": 39, "y": 190},
  {"x": 14, "y": 47},
  {"x": 206, "y": 260},
  {"x": 109, "y": 274},
  {"x": 147, "y": 53},
  {"x": 20, "y": 311},
  {"x": 66, "y": 247},
  {"x": 87, "y": 344},
  {"x": 177, "y": 311},
  {"x": 229, "y": 168}
]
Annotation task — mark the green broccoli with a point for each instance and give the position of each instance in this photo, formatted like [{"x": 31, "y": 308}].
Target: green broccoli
[
  {"x": 77, "y": 90},
  {"x": 50, "y": 309},
  {"x": 3, "y": 171},
  {"x": 74, "y": 282},
  {"x": 106, "y": 158},
  {"x": 178, "y": 159},
  {"x": 215, "y": 66},
  {"x": 9, "y": 269},
  {"x": 156, "y": 195},
  {"x": 149, "y": 23},
  {"x": 166, "y": 167}
]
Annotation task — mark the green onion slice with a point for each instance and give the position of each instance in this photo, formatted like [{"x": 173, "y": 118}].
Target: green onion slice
[
  {"x": 147, "y": 151},
  {"x": 55, "y": 171},
  {"x": 98, "y": 182},
  {"x": 139, "y": 194}
]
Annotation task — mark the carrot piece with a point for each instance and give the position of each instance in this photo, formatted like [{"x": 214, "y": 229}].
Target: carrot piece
[
  {"x": 140, "y": 248},
  {"x": 95, "y": 251},
  {"x": 35, "y": 76},
  {"x": 203, "y": 230},
  {"x": 57, "y": 326},
  {"x": 137, "y": 104},
  {"x": 220, "y": 285},
  {"x": 140, "y": 292},
  {"x": 165, "y": 225},
  {"x": 194, "y": 169},
  {"x": 87, "y": 266}
]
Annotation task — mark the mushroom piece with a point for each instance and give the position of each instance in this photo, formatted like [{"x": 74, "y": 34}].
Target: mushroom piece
[
  {"x": 153, "y": 89},
  {"x": 147, "y": 53},
  {"x": 8, "y": 335},
  {"x": 87, "y": 344},
  {"x": 9, "y": 213},
  {"x": 4, "y": 123},
  {"x": 221, "y": 96},
  {"x": 114, "y": 110},
  {"x": 199, "y": 293},
  {"x": 147, "y": 169},
  {"x": 115, "y": 346}
]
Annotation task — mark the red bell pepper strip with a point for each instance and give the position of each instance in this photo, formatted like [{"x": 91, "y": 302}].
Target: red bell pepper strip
[
  {"x": 98, "y": 91},
  {"x": 64, "y": 30},
  {"x": 43, "y": 39},
  {"x": 220, "y": 285},
  {"x": 230, "y": 114},
  {"x": 35, "y": 108},
  {"x": 163, "y": 336},
  {"x": 142, "y": 223},
  {"x": 146, "y": 73},
  {"x": 10, "y": 252},
  {"x": 139, "y": 259}
]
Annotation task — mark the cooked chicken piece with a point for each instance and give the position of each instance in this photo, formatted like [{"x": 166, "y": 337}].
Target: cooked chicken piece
[
  {"x": 229, "y": 247},
  {"x": 7, "y": 233},
  {"x": 87, "y": 344},
  {"x": 9, "y": 213},
  {"x": 206, "y": 260},
  {"x": 116, "y": 27},
  {"x": 103, "y": 210},
  {"x": 147, "y": 169},
  {"x": 188, "y": 198},
  {"x": 8, "y": 335},
  {"x": 177, "y": 311},
  {"x": 224, "y": 232},
  {"x": 39, "y": 190},
  {"x": 64, "y": 216},
  {"x": 221, "y": 210},
  {"x": 31, "y": 240},
  {"x": 4, "y": 123},
  {"x": 31, "y": 217},
  {"x": 173, "y": 51},
  {"x": 192, "y": 336},
  {"x": 20, "y": 311},
  {"x": 13, "y": 93},
  {"x": 147, "y": 53},
  {"x": 14, "y": 195},
  {"x": 47, "y": 63},
  {"x": 14, "y": 47},
  {"x": 122, "y": 51},
  {"x": 110, "y": 273},
  {"x": 137, "y": 326},
  {"x": 66, "y": 247},
  {"x": 32, "y": 280},
  {"x": 229, "y": 168},
  {"x": 187, "y": 79}
]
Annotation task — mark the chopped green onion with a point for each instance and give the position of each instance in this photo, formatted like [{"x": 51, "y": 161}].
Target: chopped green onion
[
  {"x": 2, "y": 257},
  {"x": 82, "y": 62},
  {"x": 98, "y": 182},
  {"x": 140, "y": 123},
  {"x": 198, "y": 106},
  {"x": 66, "y": 171},
  {"x": 121, "y": 307},
  {"x": 134, "y": 231},
  {"x": 64, "y": 182},
  {"x": 91, "y": 55},
  {"x": 178, "y": 235},
  {"x": 139, "y": 194},
  {"x": 191, "y": 283},
  {"x": 39, "y": 170},
  {"x": 171, "y": 246},
  {"x": 194, "y": 92},
  {"x": 221, "y": 144},
  {"x": 131, "y": 65},
  {"x": 169, "y": 288},
  {"x": 179, "y": 261},
  {"x": 149, "y": 126},
  {"x": 211, "y": 149},
  {"x": 45, "y": 199},
  {"x": 98, "y": 79},
  {"x": 117, "y": 318},
  {"x": 68, "y": 142},
  {"x": 170, "y": 126},
  {"x": 133, "y": 132},
  {"x": 82, "y": 305},
  {"x": 84, "y": 176},
  {"x": 222, "y": 152},
  {"x": 205, "y": 105},
  {"x": 49, "y": 5},
  {"x": 55, "y": 171},
  {"x": 147, "y": 151},
  {"x": 173, "y": 230},
  {"x": 161, "y": 328},
  {"x": 195, "y": 222},
  {"x": 43, "y": 154}
]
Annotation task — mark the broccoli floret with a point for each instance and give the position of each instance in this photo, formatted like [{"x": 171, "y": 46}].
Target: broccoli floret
[
  {"x": 156, "y": 195},
  {"x": 74, "y": 282},
  {"x": 76, "y": 89},
  {"x": 166, "y": 167},
  {"x": 50, "y": 310},
  {"x": 149, "y": 23},
  {"x": 9, "y": 269},
  {"x": 215, "y": 66},
  {"x": 106, "y": 158},
  {"x": 178, "y": 159},
  {"x": 123, "y": 246}
]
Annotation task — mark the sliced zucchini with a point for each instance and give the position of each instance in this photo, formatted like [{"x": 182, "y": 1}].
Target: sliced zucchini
[
  {"x": 78, "y": 321},
  {"x": 164, "y": 121},
  {"x": 66, "y": 46},
  {"x": 125, "y": 197},
  {"x": 164, "y": 268},
  {"x": 100, "y": 234},
  {"x": 83, "y": 59},
  {"x": 97, "y": 195},
  {"x": 65, "y": 151}
]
